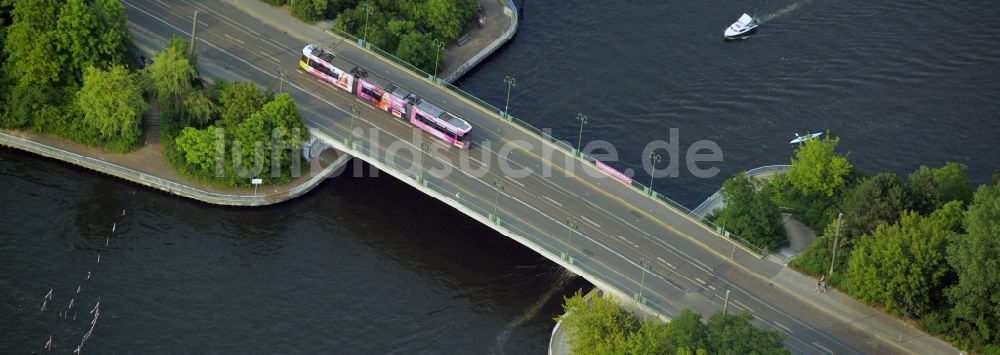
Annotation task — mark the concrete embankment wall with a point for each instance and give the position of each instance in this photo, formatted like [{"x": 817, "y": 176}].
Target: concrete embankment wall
[{"x": 172, "y": 187}]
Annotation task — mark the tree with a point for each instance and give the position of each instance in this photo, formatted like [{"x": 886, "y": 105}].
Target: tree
[
  {"x": 903, "y": 266},
  {"x": 171, "y": 74},
  {"x": 448, "y": 18},
  {"x": 688, "y": 331},
  {"x": 239, "y": 100},
  {"x": 880, "y": 199},
  {"x": 817, "y": 170},
  {"x": 974, "y": 256},
  {"x": 309, "y": 10},
  {"x": 200, "y": 148},
  {"x": 733, "y": 334},
  {"x": 952, "y": 183},
  {"x": 750, "y": 214},
  {"x": 418, "y": 49},
  {"x": 77, "y": 30},
  {"x": 112, "y": 106},
  {"x": 930, "y": 188},
  {"x": 115, "y": 38},
  {"x": 595, "y": 324},
  {"x": 284, "y": 124},
  {"x": 31, "y": 43},
  {"x": 198, "y": 109}
]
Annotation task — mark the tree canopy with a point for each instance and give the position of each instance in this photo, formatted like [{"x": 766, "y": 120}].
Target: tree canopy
[
  {"x": 172, "y": 73},
  {"x": 903, "y": 265},
  {"x": 879, "y": 199},
  {"x": 974, "y": 256},
  {"x": 112, "y": 105},
  {"x": 817, "y": 170},
  {"x": 601, "y": 326},
  {"x": 750, "y": 214}
]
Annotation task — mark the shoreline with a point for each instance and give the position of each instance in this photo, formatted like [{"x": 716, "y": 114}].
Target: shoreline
[{"x": 227, "y": 197}]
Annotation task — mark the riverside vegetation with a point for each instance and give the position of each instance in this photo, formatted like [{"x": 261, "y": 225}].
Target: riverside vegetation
[
  {"x": 924, "y": 249},
  {"x": 404, "y": 28},
  {"x": 68, "y": 70},
  {"x": 601, "y": 326}
]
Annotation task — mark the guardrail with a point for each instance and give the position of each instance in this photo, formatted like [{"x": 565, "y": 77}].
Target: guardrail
[{"x": 169, "y": 186}]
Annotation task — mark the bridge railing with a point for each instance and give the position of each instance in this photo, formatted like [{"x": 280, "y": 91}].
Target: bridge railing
[{"x": 544, "y": 135}]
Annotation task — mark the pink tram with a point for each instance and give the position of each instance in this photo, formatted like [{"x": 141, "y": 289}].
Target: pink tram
[{"x": 385, "y": 96}]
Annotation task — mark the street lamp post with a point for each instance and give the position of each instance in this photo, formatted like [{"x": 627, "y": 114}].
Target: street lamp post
[
  {"x": 350, "y": 134},
  {"x": 511, "y": 81},
  {"x": 572, "y": 225},
  {"x": 836, "y": 238},
  {"x": 437, "y": 46},
  {"x": 368, "y": 12},
  {"x": 499, "y": 187},
  {"x": 281, "y": 79},
  {"x": 644, "y": 265},
  {"x": 579, "y": 140},
  {"x": 653, "y": 158},
  {"x": 424, "y": 146}
]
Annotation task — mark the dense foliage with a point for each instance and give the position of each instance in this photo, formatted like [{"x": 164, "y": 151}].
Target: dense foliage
[
  {"x": 228, "y": 133},
  {"x": 48, "y": 49},
  {"x": 751, "y": 214},
  {"x": 601, "y": 326},
  {"x": 911, "y": 248},
  {"x": 404, "y": 28}
]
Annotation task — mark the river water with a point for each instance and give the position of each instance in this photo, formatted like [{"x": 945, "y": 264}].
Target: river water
[{"x": 369, "y": 265}]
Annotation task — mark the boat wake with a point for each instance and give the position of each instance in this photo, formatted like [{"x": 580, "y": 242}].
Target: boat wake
[
  {"x": 785, "y": 11},
  {"x": 558, "y": 285}
]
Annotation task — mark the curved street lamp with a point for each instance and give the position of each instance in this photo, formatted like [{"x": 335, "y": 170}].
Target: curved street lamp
[
  {"x": 653, "y": 159},
  {"x": 499, "y": 187},
  {"x": 438, "y": 45},
  {"x": 579, "y": 141},
  {"x": 511, "y": 82}
]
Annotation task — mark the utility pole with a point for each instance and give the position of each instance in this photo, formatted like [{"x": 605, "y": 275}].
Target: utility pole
[
  {"x": 424, "y": 148},
  {"x": 836, "y": 238},
  {"x": 194, "y": 31}
]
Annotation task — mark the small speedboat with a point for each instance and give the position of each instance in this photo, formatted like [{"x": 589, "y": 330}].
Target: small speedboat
[
  {"x": 741, "y": 28},
  {"x": 801, "y": 139}
]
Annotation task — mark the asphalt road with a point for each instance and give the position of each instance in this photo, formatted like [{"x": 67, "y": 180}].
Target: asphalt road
[{"x": 618, "y": 229}]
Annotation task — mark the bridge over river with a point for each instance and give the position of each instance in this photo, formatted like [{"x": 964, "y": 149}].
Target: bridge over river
[{"x": 621, "y": 236}]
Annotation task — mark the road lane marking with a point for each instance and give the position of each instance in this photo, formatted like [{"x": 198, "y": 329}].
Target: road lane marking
[
  {"x": 782, "y": 326},
  {"x": 514, "y": 180},
  {"x": 823, "y": 347},
  {"x": 591, "y": 222},
  {"x": 699, "y": 280},
  {"x": 166, "y": 5},
  {"x": 557, "y": 203},
  {"x": 234, "y": 39},
  {"x": 710, "y": 287},
  {"x": 661, "y": 260}
]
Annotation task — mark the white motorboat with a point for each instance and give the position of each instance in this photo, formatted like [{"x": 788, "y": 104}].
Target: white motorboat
[
  {"x": 808, "y": 136},
  {"x": 742, "y": 27}
]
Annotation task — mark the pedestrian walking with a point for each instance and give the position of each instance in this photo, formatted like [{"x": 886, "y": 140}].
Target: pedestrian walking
[{"x": 821, "y": 284}]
